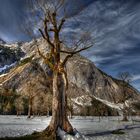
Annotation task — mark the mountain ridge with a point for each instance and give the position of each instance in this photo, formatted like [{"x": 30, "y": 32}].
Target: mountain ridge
[{"x": 85, "y": 79}]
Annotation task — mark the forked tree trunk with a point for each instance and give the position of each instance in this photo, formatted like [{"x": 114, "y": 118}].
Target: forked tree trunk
[{"x": 59, "y": 104}]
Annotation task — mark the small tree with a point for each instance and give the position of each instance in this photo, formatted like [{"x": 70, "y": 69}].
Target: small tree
[
  {"x": 18, "y": 102},
  {"x": 125, "y": 78},
  {"x": 136, "y": 105},
  {"x": 7, "y": 97},
  {"x": 30, "y": 94},
  {"x": 31, "y": 90},
  {"x": 96, "y": 107},
  {"x": 70, "y": 107}
]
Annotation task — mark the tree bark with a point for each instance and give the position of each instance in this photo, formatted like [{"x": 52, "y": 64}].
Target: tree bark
[{"x": 59, "y": 104}]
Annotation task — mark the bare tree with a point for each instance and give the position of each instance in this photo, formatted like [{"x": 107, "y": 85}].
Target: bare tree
[
  {"x": 51, "y": 32},
  {"x": 32, "y": 88},
  {"x": 18, "y": 102},
  {"x": 125, "y": 78},
  {"x": 7, "y": 97},
  {"x": 30, "y": 94},
  {"x": 70, "y": 107}
]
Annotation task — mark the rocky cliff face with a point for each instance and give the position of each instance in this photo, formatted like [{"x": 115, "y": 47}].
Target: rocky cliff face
[
  {"x": 9, "y": 55},
  {"x": 86, "y": 81}
]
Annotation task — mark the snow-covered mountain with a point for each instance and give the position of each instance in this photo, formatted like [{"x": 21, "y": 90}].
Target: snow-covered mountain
[
  {"x": 2, "y": 41},
  {"x": 87, "y": 83},
  {"x": 9, "y": 55}
]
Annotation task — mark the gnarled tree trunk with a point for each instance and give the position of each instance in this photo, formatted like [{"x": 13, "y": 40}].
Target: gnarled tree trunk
[{"x": 59, "y": 105}]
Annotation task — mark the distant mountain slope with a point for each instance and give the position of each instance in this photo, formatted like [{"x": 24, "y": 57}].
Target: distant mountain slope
[
  {"x": 85, "y": 79},
  {"x": 9, "y": 55}
]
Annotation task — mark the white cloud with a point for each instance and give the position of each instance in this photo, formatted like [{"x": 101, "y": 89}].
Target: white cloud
[{"x": 136, "y": 77}]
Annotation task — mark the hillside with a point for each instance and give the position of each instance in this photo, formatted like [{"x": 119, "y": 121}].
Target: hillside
[{"x": 87, "y": 84}]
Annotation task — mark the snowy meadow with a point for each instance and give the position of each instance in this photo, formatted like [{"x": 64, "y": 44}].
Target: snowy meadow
[{"x": 91, "y": 128}]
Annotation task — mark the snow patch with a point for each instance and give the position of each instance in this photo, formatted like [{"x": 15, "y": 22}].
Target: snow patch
[
  {"x": 2, "y": 75},
  {"x": 90, "y": 127},
  {"x": 118, "y": 106},
  {"x": 82, "y": 100},
  {"x": 115, "y": 86},
  {"x": 86, "y": 101},
  {"x": 7, "y": 66},
  {"x": 65, "y": 136}
]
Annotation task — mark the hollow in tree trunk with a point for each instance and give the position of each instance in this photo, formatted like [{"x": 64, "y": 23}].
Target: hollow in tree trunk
[{"x": 59, "y": 112}]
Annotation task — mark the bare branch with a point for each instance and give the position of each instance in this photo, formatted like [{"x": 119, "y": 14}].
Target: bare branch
[
  {"x": 71, "y": 53},
  {"x": 125, "y": 77},
  {"x": 42, "y": 34},
  {"x": 41, "y": 54},
  {"x": 61, "y": 24},
  {"x": 46, "y": 37},
  {"x": 59, "y": 5},
  {"x": 75, "y": 52},
  {"x": 54, "y": 22},
  {"x": 49, "y": 16},
  {"x": 46, "y": 60},
  {"x": 66, "y": 59},
  {"x": 47, "y": 34}
]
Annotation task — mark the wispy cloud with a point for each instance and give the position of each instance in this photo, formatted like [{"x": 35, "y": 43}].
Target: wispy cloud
[
  {"x": 116, "y": 29},
  {"x": 136, "y": 77}
]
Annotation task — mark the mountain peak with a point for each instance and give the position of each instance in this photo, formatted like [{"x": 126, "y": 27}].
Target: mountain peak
[{"x": 2, "y": 41}]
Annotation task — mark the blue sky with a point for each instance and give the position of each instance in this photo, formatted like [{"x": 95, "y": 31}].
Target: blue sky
[{"x": 115, "y": 26}]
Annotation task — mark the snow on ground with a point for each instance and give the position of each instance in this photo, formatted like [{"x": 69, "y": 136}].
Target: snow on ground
[
  {"x": 18, "y": 126},
  {"x": 89, "y": 127}
]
